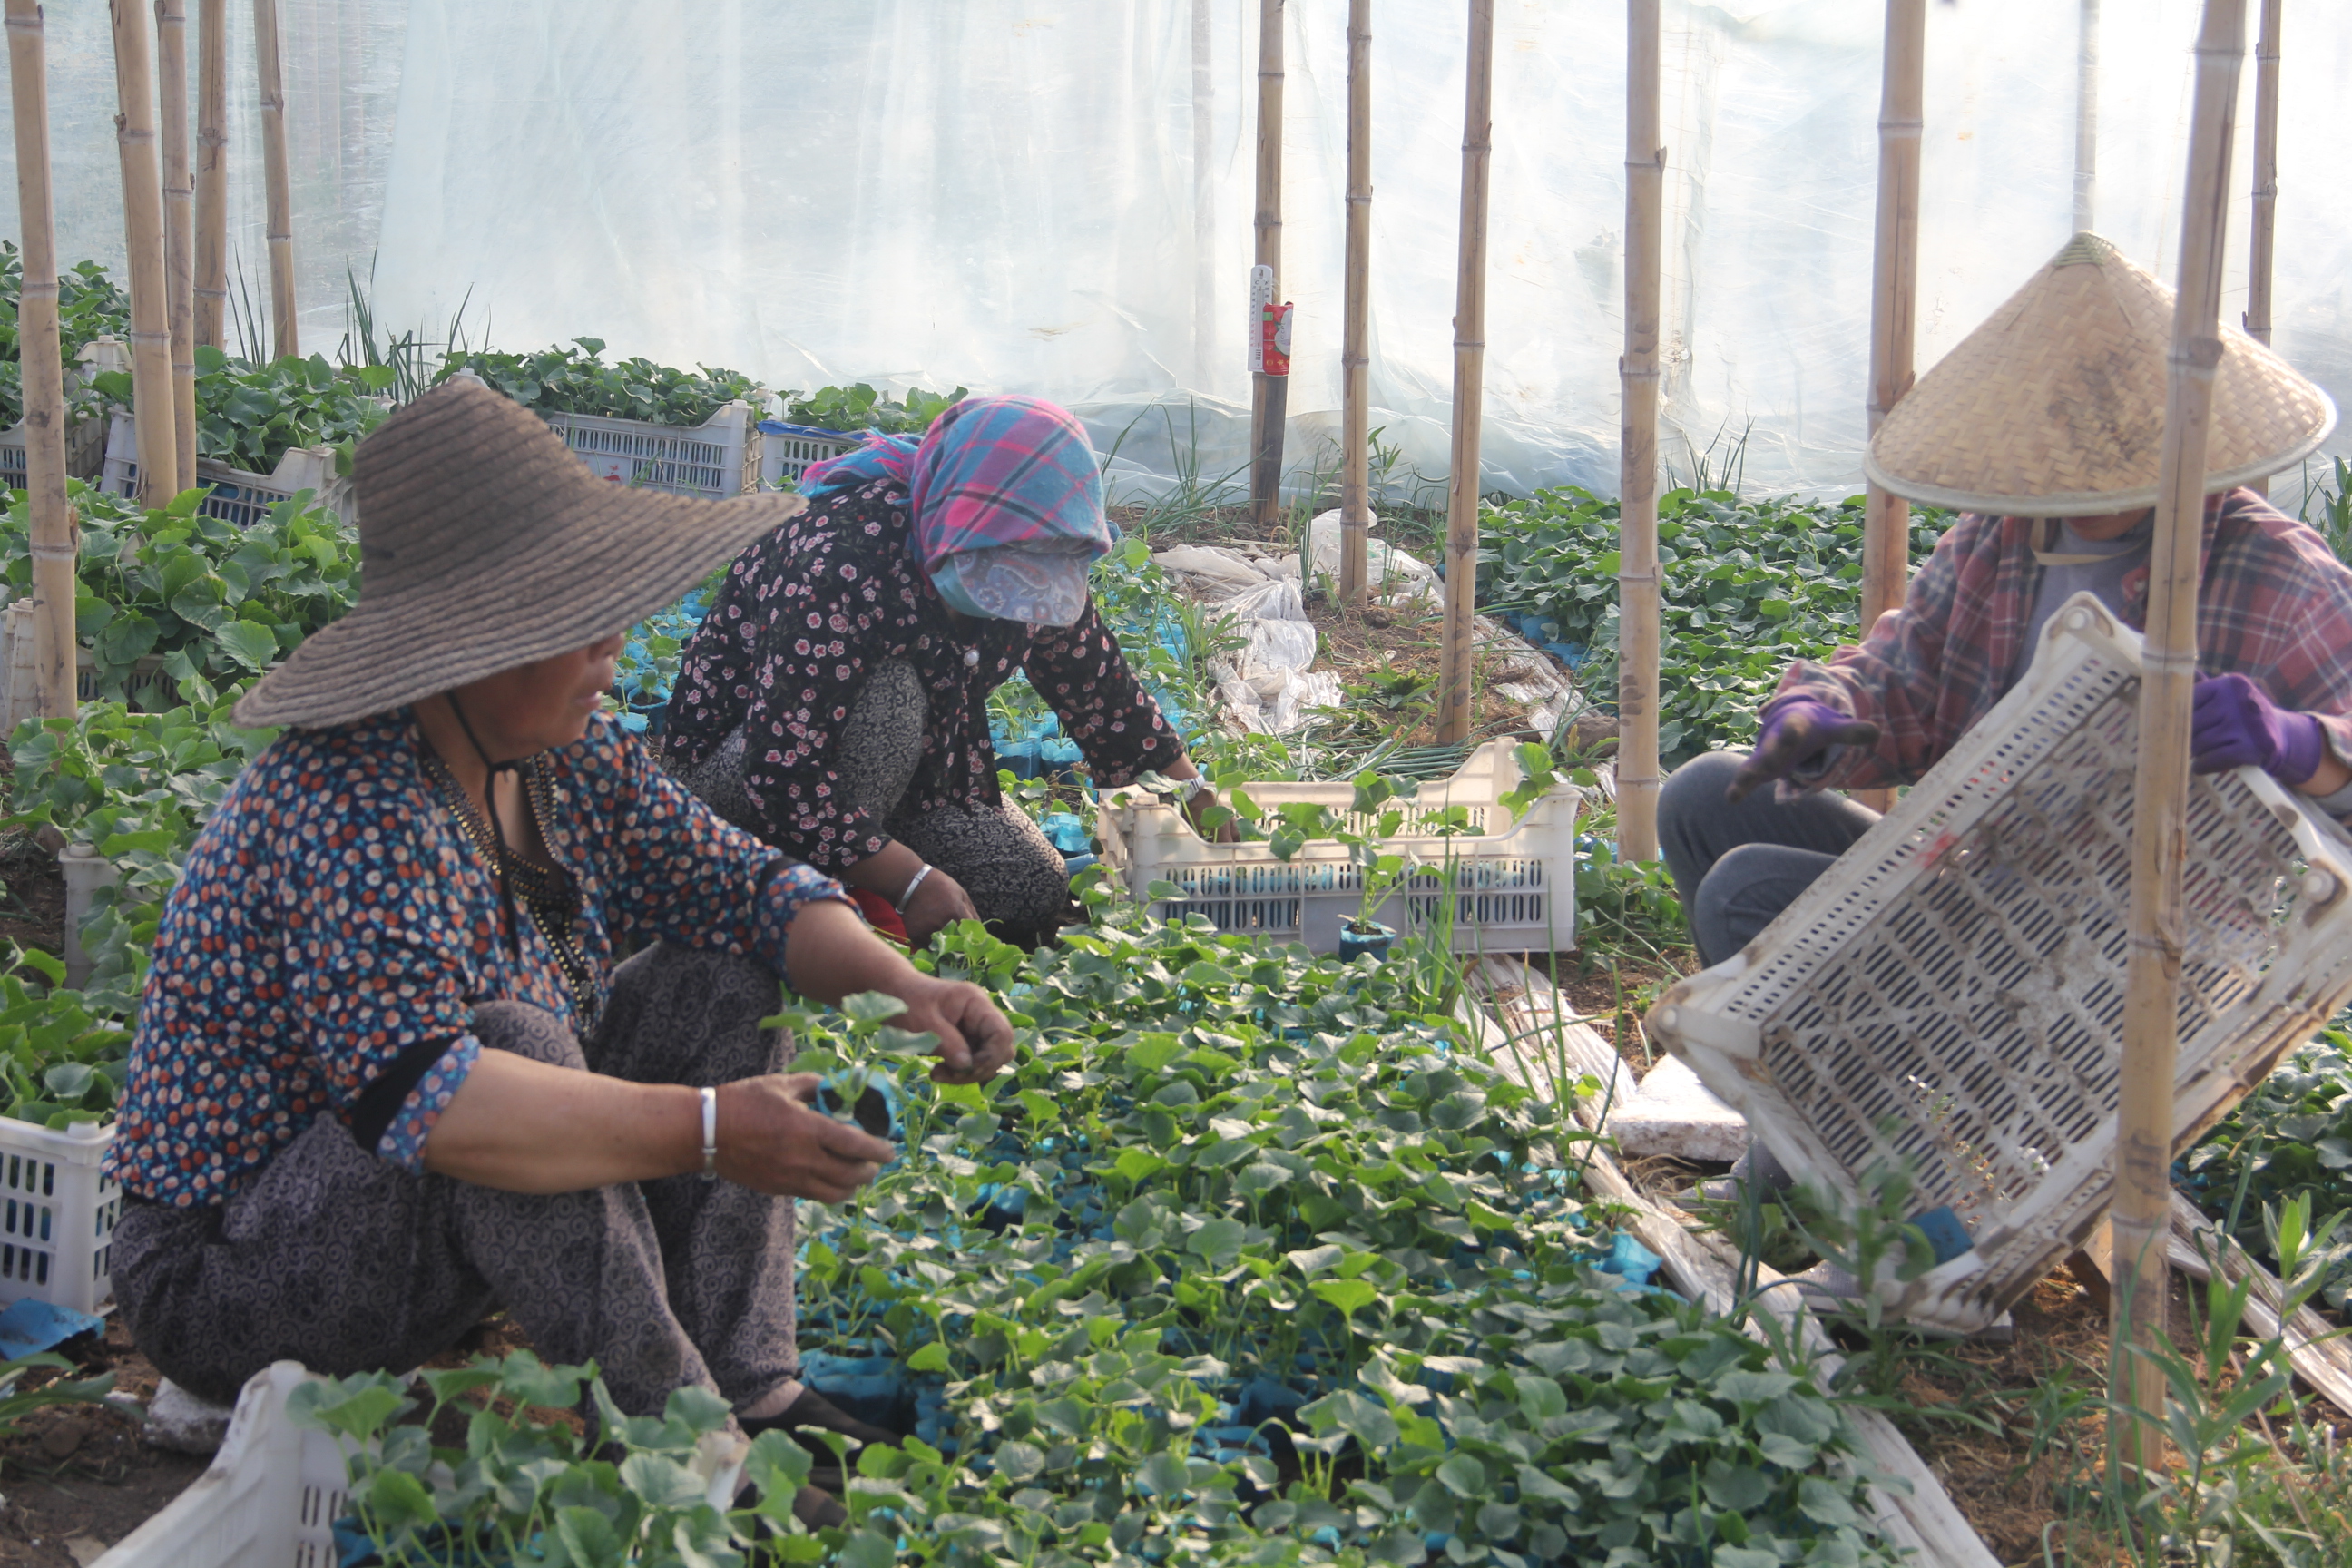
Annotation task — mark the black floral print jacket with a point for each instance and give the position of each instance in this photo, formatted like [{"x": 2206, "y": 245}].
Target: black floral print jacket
[{"x": 812, "y": 607}]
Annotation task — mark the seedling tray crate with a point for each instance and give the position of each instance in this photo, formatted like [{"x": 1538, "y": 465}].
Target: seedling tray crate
[
  {"x": 787, "y": 451},
  {"x": 1949, "y": 997},
  {"x": 57, "y": 1211},
  {"x": 1511, "y": 886},
  {"x": 238, "y": 496},
  {"x": 270, "y": 1500},
  {"x": 713, "y": 461}
]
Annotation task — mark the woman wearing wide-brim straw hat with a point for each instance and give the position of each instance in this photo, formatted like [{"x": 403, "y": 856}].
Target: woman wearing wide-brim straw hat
[
  {"x": 386, "y": 1072},
  {"x": 2043, "y": 429}
]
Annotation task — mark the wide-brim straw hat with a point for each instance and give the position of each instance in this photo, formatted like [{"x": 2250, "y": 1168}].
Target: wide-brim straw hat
[
  {"x": 484, "y": 544},
  {"x": 2054, "y": 406}
]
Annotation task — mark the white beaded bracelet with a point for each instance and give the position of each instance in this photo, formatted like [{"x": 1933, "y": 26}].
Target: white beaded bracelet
[{"x": 710, "y": 1134}]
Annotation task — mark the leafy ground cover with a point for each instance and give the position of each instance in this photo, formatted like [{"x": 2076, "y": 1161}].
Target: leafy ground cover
[
  {"x": 1748, "y": 585},
  {"x": 1248, "y": 1261},
  {"x": 575, "y": 379},
  {"x": 88, "y": 306}
]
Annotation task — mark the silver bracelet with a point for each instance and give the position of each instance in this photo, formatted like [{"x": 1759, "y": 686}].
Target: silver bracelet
[
  {"x": 912, "y": 883},
  {"x": 710, "y": 1134}
]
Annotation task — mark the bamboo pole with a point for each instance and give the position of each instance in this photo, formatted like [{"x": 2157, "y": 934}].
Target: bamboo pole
[
  {"x": 1456, "y": 657},
  {"x": 212, "y": 172},
  {"x": 1355, "y": 358},
  {"x": 1894, "y": 306},
  {"x": 2142, "y": 1213},
  {"x": 285, "y": 339},
  {"x": 2086, "y": 120},
  {"x": 42, "y": 364},
  {"x": 142, "y": 233},
  {"x": 2260, "y": 250},
  {"x": 1269, "y": 395},
  {"x": 1637, "y": 452},
  {"x": 179, "y": 239}
]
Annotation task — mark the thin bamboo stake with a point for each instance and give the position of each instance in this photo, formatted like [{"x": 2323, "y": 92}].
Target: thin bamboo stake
[
  {"x": 1894, "y": 306},
  {"x": 2142, "y": 1212},
  {"x": 2261, "y": 249},
  {"x": 1355, "y": 357},
  {"x": 285, "y": 339},
  {"x": 179, "y": 239},
  {"x": 1637, "y": 454},
  {"x": 1456, "y": 657},
  {"x": 211, "y": 172},
  {"x": 1267, "y": 420},
  {"x": 2086, "y": 120},
  {"x": 1205, "y": 197},
  {"x": 43, "y": 367},
  {"x": 142, "y": 234}
]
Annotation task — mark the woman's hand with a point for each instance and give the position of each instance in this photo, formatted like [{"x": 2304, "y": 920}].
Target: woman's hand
[
  {"x": 772, "y": 1140},
  {"x": 939, "y": 902},
  {"x": 975, "y": 1040},
  {"x": 1197, "y": 807}
]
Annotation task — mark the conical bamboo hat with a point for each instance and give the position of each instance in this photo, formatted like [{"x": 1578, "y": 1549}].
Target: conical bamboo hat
[{"x": 2054, "y": 407}]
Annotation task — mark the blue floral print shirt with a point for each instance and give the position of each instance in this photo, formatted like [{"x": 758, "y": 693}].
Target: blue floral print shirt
[{"x": 335, "y": 922}]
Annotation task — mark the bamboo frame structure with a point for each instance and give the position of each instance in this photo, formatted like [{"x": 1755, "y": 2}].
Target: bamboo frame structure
[
  {"x": 2143, "y": 1206},
  {"x": 2263, "y": 239},
  {"x": 179, "y": 236},
  {"x": 285, "y": 339},
  {"x": 2086, "y": 120},
  {"x": 1355, "y": 358},
  {"x": 1894, "y": 307},
  {"x": 212, "y": 172},
  {"x": 1637, "y": 451},
  {"x": 1457, "y": 655},
  {"x": 1269, "y": 394},
  {"x": 42, "y": 362},
  {"x": 142, "y": 234}
]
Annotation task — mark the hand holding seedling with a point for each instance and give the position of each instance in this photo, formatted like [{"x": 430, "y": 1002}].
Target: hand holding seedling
[
  {"x": 772, "y": 1140},
  {"x": 974, "y": 1041}
]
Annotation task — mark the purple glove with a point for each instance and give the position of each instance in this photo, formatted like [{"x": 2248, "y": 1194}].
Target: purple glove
[
  {"x": 1795, "y": 731},
  {"x": 2234, "y": 724}
]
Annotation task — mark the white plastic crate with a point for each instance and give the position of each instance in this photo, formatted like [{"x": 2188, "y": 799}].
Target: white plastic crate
[
  {"x": 151, "y": 690},
  {"x": 1512, "y": 886},
  {"x": 238, "y": 496},
  {"x": 85, "y": 452},
  {"x": 1950, "y": 995},
  {"x": 270, "y": 1500},
  {"x": 57, "y": 1211},
  {"x": 787, "y": 451},
  {"x": 715, "y": 459}
]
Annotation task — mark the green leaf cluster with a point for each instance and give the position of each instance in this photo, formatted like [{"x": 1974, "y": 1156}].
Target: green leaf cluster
[
  {"x": 88, "y": 306},
  {"x": 575, "y": 379},
  {"x": 530, "y": 1490},
  {"x": 860, "y": 408},
  {"x": 217, "y": 603},
  {"x": 249, "y": 415},
  {"x": 1745, "y": 586},
  {"x": 2289, "y": 1141}
]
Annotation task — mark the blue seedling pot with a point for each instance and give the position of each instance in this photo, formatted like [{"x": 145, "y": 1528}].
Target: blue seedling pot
[
  {"x": 867, "y": 1100},
  {"x": 1354, "y": 943}
]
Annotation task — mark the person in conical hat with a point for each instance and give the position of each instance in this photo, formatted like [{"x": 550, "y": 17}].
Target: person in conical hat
[
  {"x": 2043, "y": 429},
  {"x": 388, "y": 1072}
]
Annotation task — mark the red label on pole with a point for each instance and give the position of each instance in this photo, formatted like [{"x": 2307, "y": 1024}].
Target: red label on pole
[{"x": 1274, "y": 338}]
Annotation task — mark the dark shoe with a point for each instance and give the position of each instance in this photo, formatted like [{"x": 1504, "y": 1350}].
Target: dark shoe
[{"x": 811, "y": 1413}]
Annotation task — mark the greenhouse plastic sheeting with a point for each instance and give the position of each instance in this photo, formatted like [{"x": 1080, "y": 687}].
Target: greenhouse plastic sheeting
[{"x": 1055, "y": 197}]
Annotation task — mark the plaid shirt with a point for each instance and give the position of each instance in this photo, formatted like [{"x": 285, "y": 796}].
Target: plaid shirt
[{"x": 2273, "y": 603}]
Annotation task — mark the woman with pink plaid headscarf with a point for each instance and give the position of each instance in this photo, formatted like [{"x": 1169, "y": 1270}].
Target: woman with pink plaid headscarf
[{"x": 836, "y": 699}]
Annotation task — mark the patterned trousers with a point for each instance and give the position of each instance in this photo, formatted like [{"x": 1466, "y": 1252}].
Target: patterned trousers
[
  {"x": 1018, "y": 881},
  {"x": 335, "y": 1258}
]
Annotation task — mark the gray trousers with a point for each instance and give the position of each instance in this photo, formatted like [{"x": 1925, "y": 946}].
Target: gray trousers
[
  {"x": 338, "y": 1259},
  {"x": 1017, "y": 879},
  {"x": 1738, "y": 866}
]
